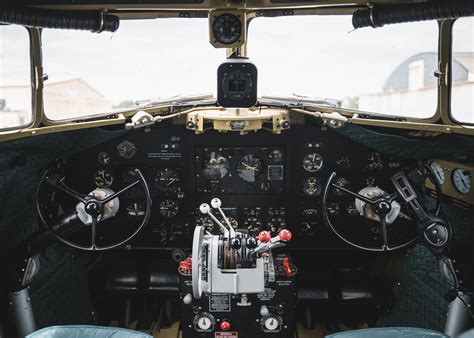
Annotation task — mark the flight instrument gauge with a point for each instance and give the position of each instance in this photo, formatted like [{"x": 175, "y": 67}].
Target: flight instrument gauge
[
  {"x": 312, "y": 186},
  {"x": 438, "y": 171},
  {"x": 276, "y": 156},
  {"x": 343, "y": 183},
  {"x": 250, "y": 168},
  {"x": 343, "y": 162},
  {"x": 216, "y": 166},
  {"x": 104, "y": 158},
  {"x": 313, "y": 162},
  {"x": 126, "y": 149},
  {"x": 103, "y": 178},
  {"x": 169, "y": 208},
  {"x": 167, "y": 180},
  {"x": 462, "y": 180},
  {"x": 227, "y": 28},
  {"x": 373, "y": 162}
]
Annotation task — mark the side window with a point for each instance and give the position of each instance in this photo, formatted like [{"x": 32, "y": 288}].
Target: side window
[
  {"x": 462, "y": 71},
  {"x": 15, "y": 77}
]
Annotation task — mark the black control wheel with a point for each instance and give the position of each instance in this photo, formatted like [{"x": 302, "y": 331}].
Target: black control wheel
[
  {"x": 389, "y": 222},
  {"x": 89, "y": 210}
]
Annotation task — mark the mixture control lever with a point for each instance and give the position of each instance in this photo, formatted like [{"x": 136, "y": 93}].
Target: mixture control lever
[{"x": 268, "y": 243}]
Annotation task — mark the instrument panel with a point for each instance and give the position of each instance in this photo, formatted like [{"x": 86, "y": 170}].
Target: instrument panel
[
  {"x": 265, "y": 181},
  {"x": 455, "y": 180}
]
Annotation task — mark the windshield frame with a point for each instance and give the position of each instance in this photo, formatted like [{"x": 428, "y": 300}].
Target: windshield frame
[
  {"x": 442, "y": 115},
  {"x": 35, "y": 115}
]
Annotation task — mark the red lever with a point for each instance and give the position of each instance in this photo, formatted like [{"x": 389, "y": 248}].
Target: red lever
[
  {"x": 186, "y": 266},
  {"x": 225, "y": 325},
  {"x": 285, "y": 235},
  {"x": 287, "y": 267},
  {"x": 264, "y": 236}
]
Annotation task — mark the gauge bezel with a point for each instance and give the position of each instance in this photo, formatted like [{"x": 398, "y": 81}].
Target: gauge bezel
[
  {"x": 316, "y": 169},
  {"x": 215, "y": 15},
  {"x": 433, "y": 164},
  {"x": 455, "y": 185}
]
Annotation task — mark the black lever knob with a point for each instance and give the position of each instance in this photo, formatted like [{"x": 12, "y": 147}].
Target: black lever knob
[
  {"x": 235, "y": 243},
  {"x": 251, "y": 243}
]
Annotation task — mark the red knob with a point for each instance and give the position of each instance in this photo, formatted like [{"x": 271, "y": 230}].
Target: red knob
[
  {"x": 264, "y": 236},
  {"x": 285, "y": 235},
  {"x": 225, "y": 325}
]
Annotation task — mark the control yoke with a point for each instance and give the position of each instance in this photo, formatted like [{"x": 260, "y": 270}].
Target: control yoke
[{"x": 234, "y": 262}]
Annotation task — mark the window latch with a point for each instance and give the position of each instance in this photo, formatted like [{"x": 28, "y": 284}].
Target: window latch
[{"x": 442, "y": 73}]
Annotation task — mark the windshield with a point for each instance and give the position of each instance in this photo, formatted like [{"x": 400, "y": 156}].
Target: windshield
[
  {"x": 97, "y": 73},
  {"x": 389, "y": 70},
  {"x": 385, "y": 70}
]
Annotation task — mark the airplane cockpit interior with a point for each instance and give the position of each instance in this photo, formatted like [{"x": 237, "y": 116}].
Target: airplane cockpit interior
[{"x": 236, "y": 168}]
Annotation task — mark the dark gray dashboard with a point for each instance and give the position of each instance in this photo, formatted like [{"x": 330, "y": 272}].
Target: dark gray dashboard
[{"x": 265, "y": 181}]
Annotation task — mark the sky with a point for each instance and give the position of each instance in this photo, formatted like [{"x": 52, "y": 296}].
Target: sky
[{"x": 318, "y": 56}]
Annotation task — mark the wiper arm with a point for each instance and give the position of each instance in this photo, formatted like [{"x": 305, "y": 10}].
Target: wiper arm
[
  {"x": 299, "y": 101},
  {"x": 173, "y": 101}
]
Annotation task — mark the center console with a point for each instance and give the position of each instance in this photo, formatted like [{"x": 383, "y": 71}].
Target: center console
[{"x": 234, "y": 285}]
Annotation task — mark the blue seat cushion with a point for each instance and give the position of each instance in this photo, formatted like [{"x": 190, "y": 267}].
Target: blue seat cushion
[
  {"x": 82, "y": 331},
  {"x": 389, "y": 332}
]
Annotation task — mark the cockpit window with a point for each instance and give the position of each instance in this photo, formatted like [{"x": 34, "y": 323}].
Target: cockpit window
[
  {"x": 93, "y": 74},
  {"x": 462, "y": 74},
  {"x": 15, "y": 77},
  {"x": 386, "y": 70}
]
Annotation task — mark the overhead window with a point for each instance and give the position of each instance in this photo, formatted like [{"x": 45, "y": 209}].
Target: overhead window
[{"x": 15, "y": 77}]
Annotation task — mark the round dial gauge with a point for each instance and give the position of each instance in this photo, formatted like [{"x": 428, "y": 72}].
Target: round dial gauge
[
  {"x": 313, "y": 162},
  {"x": 250, "y": 168},
  {"x": 272, "y": 323},
  {"x": 104, "y": 158},
  {"x": 204, "y": 221},
  {"x": 215, "y": 166},
  {"x": 341, "y": 182},
  {"x": 312, "y": 186},
  {"x": 462, "y": 180},
  {"x": 333, "y": 209},
  {"x": 343, "y": 162},
  {"x": 373, "y": 162},
  {"x": 167, "y": 180},
  {"x": 276, "y": 156},
  {"x": 103, "y": 178},
  {"x": 126, "y": 149},
  {"x": 370, "y": 181},
  {"x": 351, "y": 209},
  {"x": 169, "y": 208},
  {"x": 438, "y": 171},
  {"x": 233, "y": 222},
  {"x": 204, "y": 322},
  {"x": 227, "y": 29}
]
